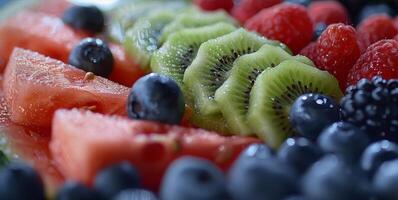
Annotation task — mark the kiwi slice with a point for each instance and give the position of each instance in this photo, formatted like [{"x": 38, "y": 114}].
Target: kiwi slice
[
  {"x": 275, "y": 90},
  {"x": 212, "y": 64},
  {"x": 234, "y": 95},
  {"x": 177, "y": 53},
  {"x": 193, "y": 19},
  {"x": 142, "y": 39}
]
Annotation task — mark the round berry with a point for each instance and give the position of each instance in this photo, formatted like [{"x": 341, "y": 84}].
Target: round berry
[
  {"x": 137, "y": 194},
  {"x": 18, "y": 181},
  {"x": 92, "y": 55},
  {"x": 87, "y": 18},
  {"x": 299, "y": 153},
  {"x": 376, "y": 154},
  {"x": 156, "y": 97},
  {"x": 345, "y": 140},
  {"x": 311, "y": 113},
  {"x": 194, "y": 179},
  {"x": 71, "y": 190},
  {"x": 116, "y": 178},
  {"x": 300, "y": 2},
  {"x": 267, "y": 178},
  {"x": 255, "y": 152},
  {"x": 296, "y": 198},
  {"x": 386, "y": 181},
  {"x": 318, "y": 30},
  {"x": 374, "y": 9}
]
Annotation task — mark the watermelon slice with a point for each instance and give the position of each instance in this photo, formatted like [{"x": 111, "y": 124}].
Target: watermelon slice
[
  {"x": 35, "y": 86},
  {"x": 84, "y": 142},
  {"x": 48, "y": 35}
]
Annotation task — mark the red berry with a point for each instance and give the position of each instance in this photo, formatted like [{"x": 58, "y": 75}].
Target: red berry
[
  {"x": 309, "y": 51},
  {"x": 286, "y": 22},
  {"x": 396, "y": 22},
  {"x": 396, "y": 37},
  {"x": 337, "y": 51},
  {"x": 246, "y": 9},
  {"x": 327, "y": 12},
  {"x": 381, "y": 58},
  {"x": 375, "y": 28},
  {"x": 214, "y": 4}
]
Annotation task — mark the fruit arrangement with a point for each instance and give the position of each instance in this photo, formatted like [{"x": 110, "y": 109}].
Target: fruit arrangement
[{"x": 201, "y": 100}]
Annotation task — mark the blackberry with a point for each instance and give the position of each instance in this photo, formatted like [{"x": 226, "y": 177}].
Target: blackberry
[{"x": 372, "y": 105}]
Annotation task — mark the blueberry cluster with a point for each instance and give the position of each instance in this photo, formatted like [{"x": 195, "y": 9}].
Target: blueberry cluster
[{"x": 372, "y": 105}]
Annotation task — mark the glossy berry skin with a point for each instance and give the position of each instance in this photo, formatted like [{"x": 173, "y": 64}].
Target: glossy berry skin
[
  {"x": 380, "y": 59},
  {"x": 285, "y": 22},
  {"x": 194, "y": 179},
  {"x": 330, "y": 179},
  {"x": 86, "y": 18},
  {"x": 318, "y": 30},
  {"x": 210, "y": 5},
  {"x": 116, "y": 178},
  {"x": 376, "y": 154},
  {"x": 386, "y": 180},
  {"x": 156, "y": 97},
  {"x": 311, "y": 113},
  {"x": 137, "y": 194},
  {"x": 18, "y": 181},
  {"x": 374, "y": 9},
  {"x": 310, "y": 51},
  {"x": 344, "y": 140},
  {"x": 245, "y": 9},
  {"x": 255, "y": 152},
  {"x": 328, "y": 12},
  {"x": 92, "y": 55},
  {"x": 71, "y": 190},
  {"x": 300, "y": 2},
  {"x": 300, "y": 153},
  {"x": 259, "y": 179}
]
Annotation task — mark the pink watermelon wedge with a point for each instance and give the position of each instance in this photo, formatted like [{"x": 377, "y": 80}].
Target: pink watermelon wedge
[
  {"x": 35, "y": 86},
  {"x": 84, "y": 142}
]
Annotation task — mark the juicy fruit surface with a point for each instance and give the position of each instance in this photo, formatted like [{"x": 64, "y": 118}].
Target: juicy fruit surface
[
  {"x": 245, "y": 9},
  {"x": 56, "y": 43},
  {"x": 328, "y": 12},
  {"x": 149, "y": 146},
  {"x": 88, "y": 18},
  {"x": 35, "y": 86}
]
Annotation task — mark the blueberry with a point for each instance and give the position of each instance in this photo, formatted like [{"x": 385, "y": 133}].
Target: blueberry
[
  {"x": 18, "y": 181},
  {"x": 92, "y": 55},
  {"x": 386, "y": 181},
  {"x": 156, "y": 97},
  {"x": 116, "y": 178},
  {"x": 193, "y": 179},
  {"x": 345, "y": 140},
  {"x": 376, "y": 154},
  {"x": 373, "y": 9},
  {"x": 71, "y": 190},
  {"x": 300, "y": 2},
  {"x": 318, "y": 30},
  {"x": 311, "y": 113},
  {"x": 296, "y": 198},
  {"x": 137, "y": 194},
  {"x": 332, "y": 179},
  {"x": 259, "y": 179},
  {"x": 299, "y": 153},
  {"x": 255, "y": 151},
  {"x": 87, "y": 18}
]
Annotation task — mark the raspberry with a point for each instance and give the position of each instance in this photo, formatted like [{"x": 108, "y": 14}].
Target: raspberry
[
  {"x": 328, "y": 12},
  {"x": 246, "y": 9},
  {"x": 396, "y": 37},
  {"x": 337, "y": 51},
  {"x": 373, "y": 107},
  {"x": 214, "y": 4},
  {"x": 286, "y": 22},
  {"x": 375, "y": 28},
  {"x": 309, "y": 51},
  {"x": 381, "y": 58}
]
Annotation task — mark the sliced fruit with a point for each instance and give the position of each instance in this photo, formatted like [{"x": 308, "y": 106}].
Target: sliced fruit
[
  {"x": 274, "y": 92},
  {"x": 142, "y": 40},
  {"x": 149, "y": 146},
  {"x": 48, "y": 35},
  {"x": 233, "y": 96},
  {"x": 194, "y": 19},
  {"x": 35, "y": 86},
  {"x": 211, "y": 66},
  {"x": 173, "y": 58}
]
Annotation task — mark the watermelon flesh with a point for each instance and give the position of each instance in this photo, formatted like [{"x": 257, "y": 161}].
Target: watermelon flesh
[
  {"x": 48, "y": 35},
  {"x": 35, "y": 86},
  {"x": 84, "y": 142}
]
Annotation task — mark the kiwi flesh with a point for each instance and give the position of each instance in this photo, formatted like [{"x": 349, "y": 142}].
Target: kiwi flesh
[
  {"x": 141, "y": 40},
  {"x": 233, "y": 96},
  {"x": 212, "y": 64},
  {"x": 194, "y": 19},
  {"x": 275, "y": 90},
  {"x": 173, "y": 58}
]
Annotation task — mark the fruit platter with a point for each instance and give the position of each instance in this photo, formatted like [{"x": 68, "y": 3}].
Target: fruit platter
[{"x": 198, "y": 100}]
